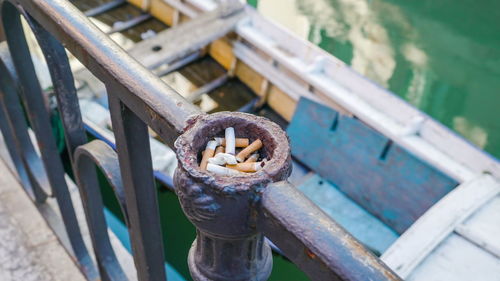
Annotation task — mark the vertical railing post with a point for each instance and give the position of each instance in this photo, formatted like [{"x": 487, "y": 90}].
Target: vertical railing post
[
  {"x": 134, "y": 154},
  {"x": 228, "y": 246}
]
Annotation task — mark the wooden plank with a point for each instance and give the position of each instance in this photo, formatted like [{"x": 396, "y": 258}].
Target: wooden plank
[
  {"x": 379, "y": 175},
  {"x": 186, "y": 38},
  {"x": 437, "y": 223},
  {"x": 163, "y": 12},
  {"x": 459, "y": 260},
  {"x": 282, "y": 103},
  {"x": 137, "y": 3},
  {"x": 483, "y": 227},
  {"x": 222, "y": 51},
  {"x": 160, "y": 9},
  {"x": 355, "y": 219},
  {"x": 248, "y": 76}
]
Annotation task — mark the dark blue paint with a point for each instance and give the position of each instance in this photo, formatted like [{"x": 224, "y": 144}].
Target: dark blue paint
[{"x": 384, "y": 178}]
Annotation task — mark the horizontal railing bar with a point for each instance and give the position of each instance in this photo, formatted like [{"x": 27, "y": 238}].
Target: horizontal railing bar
[
  {"x": 158, "y": 105},
  {"x": 313, "y": 241}
]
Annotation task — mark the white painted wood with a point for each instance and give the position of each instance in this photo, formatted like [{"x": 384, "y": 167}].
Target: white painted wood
[
  {"x": 183, "y": 8},
  {"x": 485, "y": 241},
  {"x": 291, "y": 87},
  {"x": 483, "y": 227},
  {"x": 457, "y": 259},
  {"x": 202, "y": 5},
  {"x": 438, "y": 222},
  {"x": 185, "y": 38}
]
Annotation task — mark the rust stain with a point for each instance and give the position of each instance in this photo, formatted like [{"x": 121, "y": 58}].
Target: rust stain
[{"x": 310, "y": 254}]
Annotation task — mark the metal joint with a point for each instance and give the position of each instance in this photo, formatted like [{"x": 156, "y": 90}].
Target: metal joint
[{"x": 228, "y": 245}]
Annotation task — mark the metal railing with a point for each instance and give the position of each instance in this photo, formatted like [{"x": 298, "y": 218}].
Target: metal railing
[{"x": 232, "y": 215}]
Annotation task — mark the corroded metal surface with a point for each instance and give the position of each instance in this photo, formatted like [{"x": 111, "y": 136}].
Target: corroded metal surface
[
  {"x": 87, "y": 157},
  {"x": 223, "y": 208},
  {"x": 313, "y": 241}
]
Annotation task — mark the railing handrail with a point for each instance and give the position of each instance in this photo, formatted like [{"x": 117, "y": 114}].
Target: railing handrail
[{"x": 312, "y": 240}]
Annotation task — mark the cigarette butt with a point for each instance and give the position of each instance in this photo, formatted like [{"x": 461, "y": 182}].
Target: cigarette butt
[
  {"x": 253, "y": 158},
  {"x": 208, "y": 153},
  {"x": 247, "y": 167},
  {"x": 219, "y": 149},
  {"x": 230, "y": 141},
  {"x": 238, "y": 142},
  {"x": 222, "y": 159},
  {"x": 222, "y": 171},
  {"x": 254, "y": 146}
]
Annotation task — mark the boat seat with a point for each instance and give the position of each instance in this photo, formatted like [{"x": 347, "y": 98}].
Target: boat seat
[{"x": 378, "y": 174}]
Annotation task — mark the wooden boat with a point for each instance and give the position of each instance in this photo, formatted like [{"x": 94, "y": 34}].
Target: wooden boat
[{"x": 418, "y": 195}]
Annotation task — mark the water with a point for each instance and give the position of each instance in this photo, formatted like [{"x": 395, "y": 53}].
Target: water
[{"x": 442, "y": 56}]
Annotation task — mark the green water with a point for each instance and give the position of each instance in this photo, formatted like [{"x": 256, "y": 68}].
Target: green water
[{"x": 442, "y": 56}]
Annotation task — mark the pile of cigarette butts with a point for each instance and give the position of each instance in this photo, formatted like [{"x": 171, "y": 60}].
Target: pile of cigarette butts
[{"x": 220, "y": 157}]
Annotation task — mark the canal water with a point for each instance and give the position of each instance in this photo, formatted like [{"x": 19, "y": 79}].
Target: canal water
[{"x": 442, "y": 56}]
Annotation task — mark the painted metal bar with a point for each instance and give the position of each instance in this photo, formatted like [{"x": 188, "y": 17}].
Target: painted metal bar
[
  {"x": 123, "y": 26},
  {"x": 104, "y": 8},
  {"x": 37, "y": 112},
  {"x": 64, "y": 87},
  {"x": 10, "y": 141},
  {"x": 37, "y": 184},
  {"x": 313, "y": 241},
  {"x": 132, "y": 143},
  {"x": 98, "y": 153}
]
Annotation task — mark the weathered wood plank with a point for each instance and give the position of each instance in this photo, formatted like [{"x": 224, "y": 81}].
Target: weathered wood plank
[
  {"x": 282, "y": 103},
  {"x": 163, "y": 12},
  {"x": 378, "y": 174},
  {"x": 186, "y": 38},
  {"x": 436, "y": 224},
  {"x": 483, "y": 227},
  {"x": 248, "y": 76},
  {"x": 222, "y": 52},
  {"x": 360, "y": 223},
  {"x": 459, "y": 260}
]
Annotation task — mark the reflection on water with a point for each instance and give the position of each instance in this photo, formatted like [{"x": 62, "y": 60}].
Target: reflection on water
[{"x": 441, "y": 56}]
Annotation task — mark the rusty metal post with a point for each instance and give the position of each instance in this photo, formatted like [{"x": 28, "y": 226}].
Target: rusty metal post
[{"x": 228, "y": 245}]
